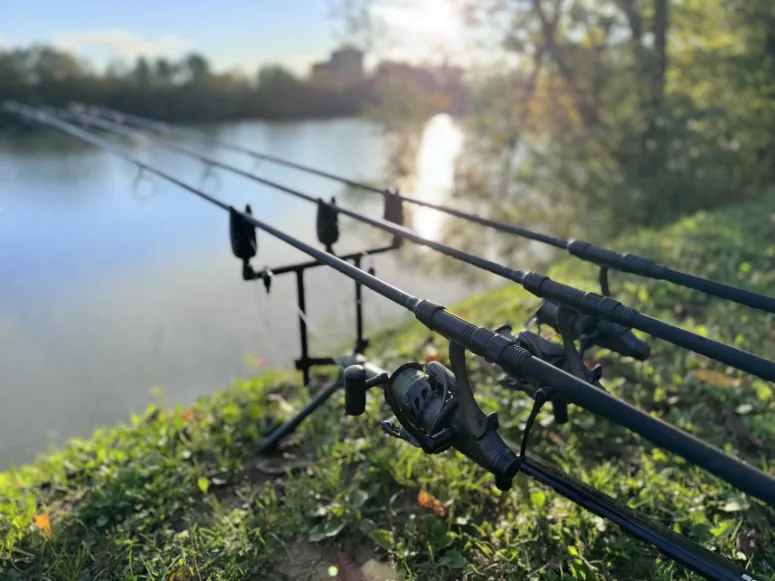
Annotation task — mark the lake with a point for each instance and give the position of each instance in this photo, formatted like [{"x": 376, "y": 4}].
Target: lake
[{"x": 108, "y": 291}]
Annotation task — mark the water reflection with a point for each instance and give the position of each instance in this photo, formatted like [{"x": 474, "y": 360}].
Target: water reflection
[
  {"x": 103, "y": 297},
  {"x": 435, "y": 175}
]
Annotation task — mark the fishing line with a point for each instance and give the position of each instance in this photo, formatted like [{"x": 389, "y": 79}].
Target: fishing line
[
  {"x": 600, "y": 307},
  {"x": 602, "y": 257},
  {"x": 494, "y": 347}
]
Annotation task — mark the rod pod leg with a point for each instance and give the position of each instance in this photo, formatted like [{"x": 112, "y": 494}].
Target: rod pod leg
[{"x": 288, "y": 427}]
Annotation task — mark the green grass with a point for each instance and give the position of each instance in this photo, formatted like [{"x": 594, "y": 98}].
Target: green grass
[{"x": 182, "y": 495}]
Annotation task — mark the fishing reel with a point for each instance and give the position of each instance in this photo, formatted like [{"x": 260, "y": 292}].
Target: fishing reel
[
  {"x": 564, "y": 356},
  {"x": 437, "y": 411},
  {"x": 592, "y": 332}
]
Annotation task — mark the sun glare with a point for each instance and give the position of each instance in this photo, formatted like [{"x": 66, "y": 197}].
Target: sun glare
[
  {"x": 435, "y": 175},
  {"x": 421, "y": 29}
]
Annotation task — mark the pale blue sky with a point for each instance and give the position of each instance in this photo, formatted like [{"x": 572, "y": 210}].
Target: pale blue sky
[
  {"x": 231, "y": 33},
  {"x": 242, "y": 33}
]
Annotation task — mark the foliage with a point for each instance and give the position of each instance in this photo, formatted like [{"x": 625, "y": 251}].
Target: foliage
[
  {"x": 644, "y": 110},
  {"x": 182, "y": 495},
  {"x": 595, "y": 116}
]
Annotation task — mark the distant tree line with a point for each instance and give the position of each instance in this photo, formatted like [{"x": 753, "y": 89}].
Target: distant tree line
[{"x": 189, "y": 90}]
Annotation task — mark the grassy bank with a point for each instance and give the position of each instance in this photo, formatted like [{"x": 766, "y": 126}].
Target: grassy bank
[{"x": 181, "y": 494}]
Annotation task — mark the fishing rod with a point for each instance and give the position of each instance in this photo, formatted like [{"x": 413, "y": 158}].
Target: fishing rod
[
  {"x": 602, "y": 257},
  {"x": 494, "y": 347},
  {"x": 413, "y": 393},
  {"x": 591, "y": 304},
  {"x": 436, "y": 401}
]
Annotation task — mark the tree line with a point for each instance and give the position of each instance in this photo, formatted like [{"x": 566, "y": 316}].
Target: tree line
[
  {"x": 611, "y": 114},
  {"x": 189, "y": 90}
]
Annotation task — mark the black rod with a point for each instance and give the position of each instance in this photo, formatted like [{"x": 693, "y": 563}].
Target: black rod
[
  {"x": 281, "y": 431},
  {"x": 488, "y": 344},
  {"x": 541, "y": 286},
  {"x": 679, "y": 548},
  {"x": 358, "y": 306},
  {"x": 628, "y": 263},
  {"x": 315, "y": 263},
  {"x": 302, "y": 324}
]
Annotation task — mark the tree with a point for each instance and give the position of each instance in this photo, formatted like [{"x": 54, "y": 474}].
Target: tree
[
  {"x": 164, "y": 72},
  {"x": 198, "y": 68},
  {"x": 142, "y": 72}
]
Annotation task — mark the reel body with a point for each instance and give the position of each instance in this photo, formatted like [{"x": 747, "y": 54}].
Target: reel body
[{"x": 437, "y": 411}]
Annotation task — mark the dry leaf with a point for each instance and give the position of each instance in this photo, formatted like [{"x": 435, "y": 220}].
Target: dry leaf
[
  {"x": 286, "y": 445},
  {"x": 715, "y": 378},
  {"x": 734, "y": 424},
  {"x": 556, "y": 439},
  {"x": 281, "y": 401},
  {"x": 430, "y": 353},
  {"x": 746, "y": 542},
  {"x": 43, "y": 523},
  {"x": 427, "y": 501},
  {"x": 177, "y": 574},
  {"x": 348, "y": 569},
  {"x": 187, "y": 416}
]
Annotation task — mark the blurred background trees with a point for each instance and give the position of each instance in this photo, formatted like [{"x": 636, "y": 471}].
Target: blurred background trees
[
  {"x": 190, "y": 90},
  {"x": 590, "y": 117}
]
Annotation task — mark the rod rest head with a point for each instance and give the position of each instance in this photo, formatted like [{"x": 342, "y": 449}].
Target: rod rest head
[{"x": 595, "y": 332}]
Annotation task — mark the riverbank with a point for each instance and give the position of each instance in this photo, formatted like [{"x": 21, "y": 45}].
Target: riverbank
[{"x": 180, "y": 493}]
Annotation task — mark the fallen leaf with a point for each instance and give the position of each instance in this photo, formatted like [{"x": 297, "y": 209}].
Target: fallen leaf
[
  {"x": 430, "y": 353},
  {"x": 746, "y": 542},
  {"x": 744, "y": 408},
  {"x": 556, "y": 439},
  {"x": 286, "y": 444},
  {"x": 43, "y": 523},
  {"x": 281, "y": 401},
  {"x": 348, "y": 569},
  {"x": 715, "y": 378},
  {"x": 427, "y": 501},
  {"x": 732, "y": 506},
  {"x": 735, "y": 425}
]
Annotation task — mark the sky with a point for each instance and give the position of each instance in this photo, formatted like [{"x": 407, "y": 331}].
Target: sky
[{"x": 241, "y": 34}]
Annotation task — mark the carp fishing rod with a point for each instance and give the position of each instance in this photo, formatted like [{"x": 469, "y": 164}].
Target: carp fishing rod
[
  {"x": 591, "y": 304},
  {"x": 494, "y": 347},
  {"x": 437, "y": 408},
  {"x": 602, "y": 257}
]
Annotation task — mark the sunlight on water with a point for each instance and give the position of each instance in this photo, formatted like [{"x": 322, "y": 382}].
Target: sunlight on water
[{"x": 435, "y": 174}]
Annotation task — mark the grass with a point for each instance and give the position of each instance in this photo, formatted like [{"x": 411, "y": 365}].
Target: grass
[{"x": 182, "y": 495}]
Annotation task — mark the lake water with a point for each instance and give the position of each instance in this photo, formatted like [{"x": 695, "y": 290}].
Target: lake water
[{"x": 107, "y": 291}]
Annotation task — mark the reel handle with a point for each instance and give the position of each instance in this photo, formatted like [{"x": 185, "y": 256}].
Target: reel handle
[{"x": 355, "y": 386}]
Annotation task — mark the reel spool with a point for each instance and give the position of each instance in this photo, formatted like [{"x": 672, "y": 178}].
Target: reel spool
[{"x": 437, "y": 411}]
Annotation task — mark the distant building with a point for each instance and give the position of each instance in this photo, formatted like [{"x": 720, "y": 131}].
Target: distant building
[{"x": 345, "y": 67}]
